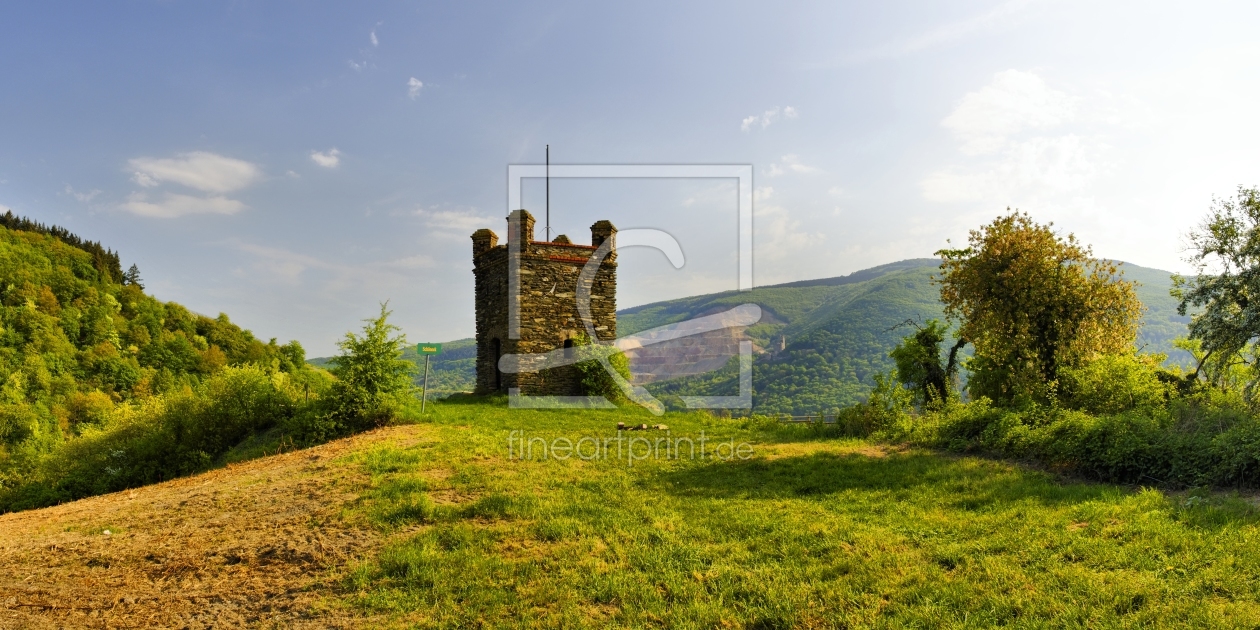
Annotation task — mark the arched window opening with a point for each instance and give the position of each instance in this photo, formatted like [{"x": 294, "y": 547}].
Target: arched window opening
[{"x": 496, "y": 353}]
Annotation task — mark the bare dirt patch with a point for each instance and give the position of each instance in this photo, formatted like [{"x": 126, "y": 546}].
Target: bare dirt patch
[{"x": 254, "y": 544}]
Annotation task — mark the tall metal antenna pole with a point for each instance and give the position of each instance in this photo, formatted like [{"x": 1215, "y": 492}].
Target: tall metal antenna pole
[{"x": 549, "y": 193}]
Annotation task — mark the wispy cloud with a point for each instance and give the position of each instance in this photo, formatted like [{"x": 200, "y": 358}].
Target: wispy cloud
[
  {"x": 327, "y": 159},
  {"x": 1006, "y": 133},
  {"x": 414, "y": 86},
  {"x": 780, "y": 235},
  {"x": 173, "y": 205},
  {"x": 789, "y": 164},
  {"x": 372, "y": 36},
  {"x": 766, "y": 118},
  {"x": 200, "y": 170},
  {"x": 82, "y": 196},
  {"x": 207, "y": 172},
  {"x": 1005, "y": 15},
  {"x": 456, "y": 220},
  {"x": 1014, "y": 101},
  {"x": 288, "y": 267}
]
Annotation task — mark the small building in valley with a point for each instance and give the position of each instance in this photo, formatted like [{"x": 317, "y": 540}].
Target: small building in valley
[{"x": 546, "y": 301}]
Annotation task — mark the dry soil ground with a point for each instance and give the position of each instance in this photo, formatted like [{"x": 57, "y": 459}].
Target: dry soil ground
[{"x": 254, "y": 544}]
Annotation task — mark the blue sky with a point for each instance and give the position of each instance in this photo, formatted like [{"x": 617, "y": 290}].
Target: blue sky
[{"x": 294, "y": 164}]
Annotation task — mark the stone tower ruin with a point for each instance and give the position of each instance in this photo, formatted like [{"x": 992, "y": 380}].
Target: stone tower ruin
[{"x": 547, "y": 300}]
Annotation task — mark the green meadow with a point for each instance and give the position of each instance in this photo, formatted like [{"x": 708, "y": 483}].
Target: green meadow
[{"x": 808, "y": 532}]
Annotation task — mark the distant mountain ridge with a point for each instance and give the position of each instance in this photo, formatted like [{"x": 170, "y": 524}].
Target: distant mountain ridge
[
  {"x": 820, "y": 342},
  {"x": 834, "y": 334}
]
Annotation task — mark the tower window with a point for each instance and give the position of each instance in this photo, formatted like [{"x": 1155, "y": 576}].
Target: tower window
[{"x": 496, "y": 353}]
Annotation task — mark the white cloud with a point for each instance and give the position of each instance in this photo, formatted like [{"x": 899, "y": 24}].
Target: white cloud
[
  {"x": 173, "y": 205},
  {"x": 82, "y": 196},
  {"x": 418, "y": 261},
  {"x": 1003, "y": 16},
  {"x": 414, "y": 86},
  {"x": 1012, "y": 102},
  {"x": 763, "y": 193},
  {"x": 201, "y": 170},
  {"x": 456, "y": 220},
  {"x": 1011, "y": 157},
  {"x": 789, "y": 163},
  {"x": 779, "y": 235},
  {"x": 375, "y": 42},
  {"x": 327, "y": 159},
  {"x": 1031, "y": 169},
  {"x": 287, "y": 267},
  {"x": 768, "y": 117},
  {"x": 835, "y": 191},
  {"x": 283, "y": 264}
]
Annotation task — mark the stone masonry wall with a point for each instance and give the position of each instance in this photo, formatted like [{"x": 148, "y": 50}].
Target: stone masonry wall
[{"x": 549, "y": 315}]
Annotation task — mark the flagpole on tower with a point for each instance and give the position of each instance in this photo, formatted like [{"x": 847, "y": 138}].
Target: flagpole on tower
[{"x": 549, "y": 193}]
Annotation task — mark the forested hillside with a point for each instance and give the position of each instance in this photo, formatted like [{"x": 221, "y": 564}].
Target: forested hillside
[
  {"x": 837, "y": 331},
  {"x": 83, "y": 348}
]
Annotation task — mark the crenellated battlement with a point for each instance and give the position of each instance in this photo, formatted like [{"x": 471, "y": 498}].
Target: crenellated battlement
[{"x": 548, "y": 273}]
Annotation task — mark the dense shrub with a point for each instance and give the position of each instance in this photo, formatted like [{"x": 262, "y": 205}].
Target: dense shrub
[
  {"x": 161, "y": 438},
  {"x": 1184, "y": 444},
  {"x": 595, "y": 379},
  {"x": 1114, "y": 383},
  {"x": 373, "y": 384}
]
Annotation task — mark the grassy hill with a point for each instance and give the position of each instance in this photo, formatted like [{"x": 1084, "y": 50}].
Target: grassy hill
[
  {"x": 837, "y": 333},
  {"x": 436, "y": 525}
]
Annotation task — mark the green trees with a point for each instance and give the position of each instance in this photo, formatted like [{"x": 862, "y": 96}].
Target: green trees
[
  {"x": 132, "y": 276},
  {"x": 85, "y": 359},
  {"x": 373, "y": 382},
  {"x": 1031, "y": 303},
  {"x": 1225, "y": 252},
  {"x": 1055, "y": 377},
  {"x": 918, "y": 359}
]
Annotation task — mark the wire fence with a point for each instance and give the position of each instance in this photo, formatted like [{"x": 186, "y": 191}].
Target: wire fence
[{"x": 811, "y": 418}]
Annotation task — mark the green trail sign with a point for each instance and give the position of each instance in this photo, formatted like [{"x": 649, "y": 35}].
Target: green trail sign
[{"x": 426, "y": 350}]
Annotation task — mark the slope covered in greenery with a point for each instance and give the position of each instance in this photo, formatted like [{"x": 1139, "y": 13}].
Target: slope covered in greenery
[
  {"x": 81, "y": 354},
  {"x": 839, "y": 331}
]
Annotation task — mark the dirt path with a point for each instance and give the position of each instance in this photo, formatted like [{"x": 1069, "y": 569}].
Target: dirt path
[{"x": 254, "y": 544}]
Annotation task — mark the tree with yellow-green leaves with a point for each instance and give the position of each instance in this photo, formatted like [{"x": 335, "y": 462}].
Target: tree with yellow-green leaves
[{"x": 1032, "y": 302}]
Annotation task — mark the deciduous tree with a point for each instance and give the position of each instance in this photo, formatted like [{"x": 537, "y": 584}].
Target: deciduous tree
[
  {"x": 1031, "y": 302},
  {"x": 1225, "y": 253}
]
